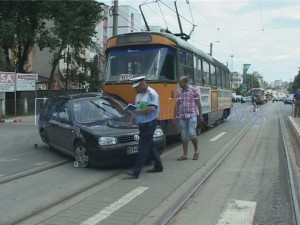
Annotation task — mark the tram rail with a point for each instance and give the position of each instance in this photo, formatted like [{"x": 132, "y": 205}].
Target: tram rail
[{"x": 174, "y": 210}]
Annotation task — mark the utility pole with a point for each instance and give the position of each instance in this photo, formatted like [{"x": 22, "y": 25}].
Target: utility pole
[
  {"x": 115, "y": 18},
  {"x": 211, "y": 47}
]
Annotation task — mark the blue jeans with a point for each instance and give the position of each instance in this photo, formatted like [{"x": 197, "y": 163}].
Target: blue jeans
[{"x": 188, "y": 128}]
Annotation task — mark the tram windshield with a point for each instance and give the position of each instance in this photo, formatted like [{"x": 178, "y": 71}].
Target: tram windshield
[{"x": 154, "y": 62}]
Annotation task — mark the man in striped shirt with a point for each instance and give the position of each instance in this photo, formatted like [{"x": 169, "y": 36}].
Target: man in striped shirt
[{"x": 187, "y": 110}]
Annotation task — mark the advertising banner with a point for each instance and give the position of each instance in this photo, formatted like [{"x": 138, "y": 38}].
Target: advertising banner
[
  {"x": 26, "y": 82},
  {"x": 22, "y": 82},
  {"x": 7, "y": 81}
]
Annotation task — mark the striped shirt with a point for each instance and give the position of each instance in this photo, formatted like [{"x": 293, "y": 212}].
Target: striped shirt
[{"x": 187, "y": 102}]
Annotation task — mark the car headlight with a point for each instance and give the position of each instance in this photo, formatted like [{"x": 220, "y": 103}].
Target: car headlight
[
  {"x": 107, "y": 141},
  {"x": 158, "y": 133}
]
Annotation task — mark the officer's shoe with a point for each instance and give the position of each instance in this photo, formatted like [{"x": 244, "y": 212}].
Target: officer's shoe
[
  {"x": 154, "y": 170},
  {"x": 131, "y": 174}
]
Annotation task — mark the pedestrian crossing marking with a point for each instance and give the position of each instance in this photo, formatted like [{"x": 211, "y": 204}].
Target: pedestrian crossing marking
[{"x": 107, "y": 211}]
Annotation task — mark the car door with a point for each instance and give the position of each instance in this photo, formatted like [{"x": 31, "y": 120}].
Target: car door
[
  {"x": 65, "y": 132},
  {"x": 51, "y": 126}
]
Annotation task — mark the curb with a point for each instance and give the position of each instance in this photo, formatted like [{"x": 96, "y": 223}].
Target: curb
[{"x": 295, "y": 127}]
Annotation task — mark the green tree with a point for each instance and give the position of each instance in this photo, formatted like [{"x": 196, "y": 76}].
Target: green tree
[
  {"x": 20, "y": 22},
  {"x": 250, "y": 82},
  {"x": 94, "y": 78},
  {"x": 55, "y": 25},
  {"x": 73, "y": 26},
  {"x": 296, "y": 83}
]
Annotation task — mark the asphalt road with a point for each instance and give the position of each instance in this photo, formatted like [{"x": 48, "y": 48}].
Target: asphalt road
[
  {"x": 251, "y": 186},
  {"x": 253, "y": 177}
]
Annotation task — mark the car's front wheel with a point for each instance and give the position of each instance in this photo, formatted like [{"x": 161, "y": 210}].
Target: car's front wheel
[
  {"x": 81, "y": 155},
  {"x": 44, "y": 137}
]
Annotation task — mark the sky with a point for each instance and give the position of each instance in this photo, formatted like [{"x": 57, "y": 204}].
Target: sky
[{"x": 263, "y": 33}]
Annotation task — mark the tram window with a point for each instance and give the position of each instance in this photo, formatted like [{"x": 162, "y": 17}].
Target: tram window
[
  {"x": 227, "y": 80},
  {"x": 197, "y": 71},
  {"x": 213, "y": 75},
  {"x": 134, "y": 68},
  {"x": 189, "y": 59},
  {"x": 186, "y": 65},
  {"x": 168, "y": 68},
  {"x": 223, "y": 79},
  {"x": 182, "y": 57},
  {"x": 206, "y": 72},
  {"x": 219, "y": 77},
  {"x": 188, "y": 71}
]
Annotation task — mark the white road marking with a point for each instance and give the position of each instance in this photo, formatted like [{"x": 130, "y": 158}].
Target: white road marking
[
  {"x": 8, "y": 160},
  {"x": 106, "y": 212},
  {"x": 41, "y": 163},
  {"x": 218, "y": 136},
  {"x": 238, "y": 212}
]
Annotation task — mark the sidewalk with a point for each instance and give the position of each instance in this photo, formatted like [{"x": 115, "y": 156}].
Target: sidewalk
[
  {"x": 19, "y": 119},
  {"x": 295, "y": 124}
]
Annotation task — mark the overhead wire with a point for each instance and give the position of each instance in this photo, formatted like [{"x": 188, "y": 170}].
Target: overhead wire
[
  {"x": 264, "y": 34},
  {"x": 212, "y": 26},
  {"x": 163, "y": 16}
]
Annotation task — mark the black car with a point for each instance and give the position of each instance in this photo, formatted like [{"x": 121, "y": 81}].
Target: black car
[{"x": 93, "y": 128}]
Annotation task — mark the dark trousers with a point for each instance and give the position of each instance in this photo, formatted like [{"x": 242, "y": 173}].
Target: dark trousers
[
  {"x": 297, "y": 108},
  {"x": 146, "y": 146}
]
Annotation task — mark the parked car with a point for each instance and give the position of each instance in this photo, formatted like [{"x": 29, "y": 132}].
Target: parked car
[
  {"x": 93, "y": 128},
  {"x": 238, "y": 98},
  {"x": 247, "y": 99},
  {"x": 289, "y": 99}
]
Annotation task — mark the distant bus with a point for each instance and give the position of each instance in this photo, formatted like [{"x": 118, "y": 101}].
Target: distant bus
[
  {"x": 163, "y": 58},
  {"x": 260, "y": 94}
]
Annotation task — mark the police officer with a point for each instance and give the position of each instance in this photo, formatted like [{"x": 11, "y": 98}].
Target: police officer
[{"x": 145, "y": 115}]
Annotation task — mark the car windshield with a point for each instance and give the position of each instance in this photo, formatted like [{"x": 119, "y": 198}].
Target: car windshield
[{"x": 97, "y": 109}]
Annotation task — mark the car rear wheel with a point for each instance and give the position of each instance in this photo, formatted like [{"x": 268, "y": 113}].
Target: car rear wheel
[{"x": 81, "y": 155}]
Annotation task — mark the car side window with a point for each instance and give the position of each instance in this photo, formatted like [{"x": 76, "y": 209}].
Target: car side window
[
  {"x": 59, "y": 112},
  {"x": 54, "y": 111},
  {"x": 63, "y": 114}
]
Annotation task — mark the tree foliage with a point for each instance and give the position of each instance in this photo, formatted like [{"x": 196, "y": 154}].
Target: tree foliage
[
  {"x": 55, "y": 25},
  {"x": 20, "y": 22},
  {"x": 250, "y": 82},
  {"x": 296, "y": 83}
]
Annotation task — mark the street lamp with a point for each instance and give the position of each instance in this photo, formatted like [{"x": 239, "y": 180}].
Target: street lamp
[{"x": 211, "y": 47}]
